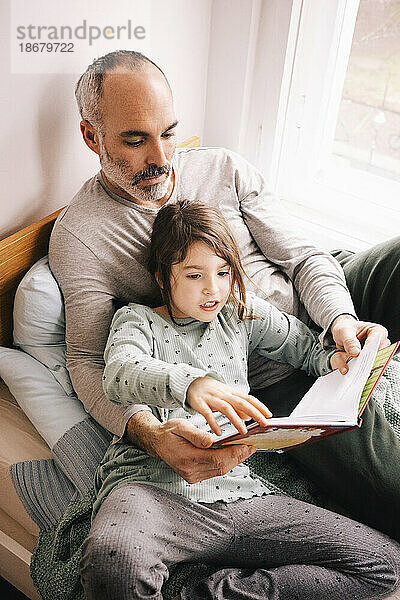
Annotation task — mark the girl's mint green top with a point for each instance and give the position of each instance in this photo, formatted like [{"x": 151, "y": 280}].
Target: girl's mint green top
[{"x": 150, "y": 360}]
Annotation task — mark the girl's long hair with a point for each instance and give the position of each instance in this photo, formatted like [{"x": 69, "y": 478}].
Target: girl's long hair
[{"x": 176, "y": 227}]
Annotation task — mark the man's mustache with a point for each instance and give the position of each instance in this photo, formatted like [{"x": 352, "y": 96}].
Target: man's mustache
[{"x": 151, "y": 171}]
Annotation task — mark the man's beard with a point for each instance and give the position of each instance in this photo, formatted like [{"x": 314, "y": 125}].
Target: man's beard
[{"x": 118, "y": 172}]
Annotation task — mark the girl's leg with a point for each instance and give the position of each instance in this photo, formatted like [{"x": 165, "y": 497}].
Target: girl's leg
[
  {"x": 268, "y": 548},
  {"x": 284, "y": 549},
  {"x": 139, "y": 532}
]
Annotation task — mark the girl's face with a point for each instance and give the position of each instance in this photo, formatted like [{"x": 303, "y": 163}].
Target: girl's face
[{"x": 200, "y": 284}]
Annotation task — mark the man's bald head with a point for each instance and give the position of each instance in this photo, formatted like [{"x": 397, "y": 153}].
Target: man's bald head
[
  {"x": 128, "y": 120},
  {"x": 89, "y": 89}
]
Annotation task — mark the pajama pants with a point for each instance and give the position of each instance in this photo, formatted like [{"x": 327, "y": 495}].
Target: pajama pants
[
  {"x": 359, "y": 469},
  {"x": 263, "y": 548}
]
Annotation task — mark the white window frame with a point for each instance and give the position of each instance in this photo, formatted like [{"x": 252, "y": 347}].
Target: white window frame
[{"x": 353, "y": 202}]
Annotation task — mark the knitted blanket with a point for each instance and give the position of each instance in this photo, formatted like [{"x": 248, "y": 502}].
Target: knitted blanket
[{"x": 55, "y": 560}]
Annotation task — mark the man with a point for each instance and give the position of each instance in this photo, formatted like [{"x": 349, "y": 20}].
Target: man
[{"x": 98, "y": 255}]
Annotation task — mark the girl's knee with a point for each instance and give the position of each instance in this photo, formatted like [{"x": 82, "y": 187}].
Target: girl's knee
[
  {"x": 112, "y": 568},
  {"x": 390, "y": 565},
  {"x": 379, "y": 566}
]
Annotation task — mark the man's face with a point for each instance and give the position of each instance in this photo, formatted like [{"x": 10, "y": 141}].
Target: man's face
[{"x": 138, "y": 140}]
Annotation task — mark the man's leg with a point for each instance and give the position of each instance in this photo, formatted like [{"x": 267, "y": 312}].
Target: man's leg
[
  {"x": 358, "y": 469},
  {"x": 373, "y": 278},
  {"x": 284, "y": 549}
]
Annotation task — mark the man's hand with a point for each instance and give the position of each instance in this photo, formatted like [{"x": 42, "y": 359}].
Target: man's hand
[
  {"x": 339, "y": 361},
  {"x": 184, "y": 447},
  {"x": 347, "y": 333},
  {"x": 206, "y": 395}
]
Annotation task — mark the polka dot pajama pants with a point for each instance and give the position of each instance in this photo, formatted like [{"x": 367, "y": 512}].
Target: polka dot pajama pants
[{"x": 270, "y": 547}]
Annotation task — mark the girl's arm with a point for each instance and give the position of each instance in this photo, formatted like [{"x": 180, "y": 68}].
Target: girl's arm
[
  {"x": 133, "y": 376},
  {"x": 284, "y": 338}
]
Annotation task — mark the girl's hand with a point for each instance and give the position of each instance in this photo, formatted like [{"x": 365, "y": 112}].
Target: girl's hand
[
  {"x": 206, "y": 395},
  {"x": 339, "y": 361}
]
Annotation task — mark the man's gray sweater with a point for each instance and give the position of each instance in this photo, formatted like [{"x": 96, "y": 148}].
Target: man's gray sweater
[{"x": 98, "y": 252}]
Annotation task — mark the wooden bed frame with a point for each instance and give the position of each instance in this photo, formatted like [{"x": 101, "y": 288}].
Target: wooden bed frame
[{"x": 18, "y": 253}]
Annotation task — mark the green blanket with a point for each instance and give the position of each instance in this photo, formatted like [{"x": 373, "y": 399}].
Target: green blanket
[{"x": 55, "y": 560}]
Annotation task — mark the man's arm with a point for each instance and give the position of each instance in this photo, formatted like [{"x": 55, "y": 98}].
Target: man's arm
[
  {"x": 347, "y": 334},
  {"x": 317, "y": 276},
  {"x": 89, "y": 308}
]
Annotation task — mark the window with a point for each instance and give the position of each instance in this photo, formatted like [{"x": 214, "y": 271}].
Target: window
[
  {"x": 367, "y": 135},
  {"x": 337, "y": 163}
]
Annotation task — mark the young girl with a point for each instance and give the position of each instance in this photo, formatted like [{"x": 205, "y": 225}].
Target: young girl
[{"x": 188, "y": 359}]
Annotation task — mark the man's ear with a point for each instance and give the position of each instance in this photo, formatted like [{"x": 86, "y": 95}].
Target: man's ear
[{"x": 90, "y": 136}]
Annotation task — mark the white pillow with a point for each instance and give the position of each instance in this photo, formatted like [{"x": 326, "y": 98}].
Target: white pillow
[
  {"x": 39, "y": 321},
  {"x": 42, "y": 399}
]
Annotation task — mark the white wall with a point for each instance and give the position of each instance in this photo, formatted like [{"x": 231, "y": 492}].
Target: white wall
[
  {"x": 234, "y": 26},
  {"x": 248, "y": 42},
  {"x": 44, "y": 161}
]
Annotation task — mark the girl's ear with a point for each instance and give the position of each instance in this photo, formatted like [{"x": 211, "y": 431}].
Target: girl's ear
[{"x": 158, "y": 279}]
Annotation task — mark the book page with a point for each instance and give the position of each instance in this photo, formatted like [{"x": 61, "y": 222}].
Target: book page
[
  {"x": 332, "y": 400},
  {"x": 335, "y": 397}
]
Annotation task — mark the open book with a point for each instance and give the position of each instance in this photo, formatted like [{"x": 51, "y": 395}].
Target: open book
[{"x": 332, "y": 405}]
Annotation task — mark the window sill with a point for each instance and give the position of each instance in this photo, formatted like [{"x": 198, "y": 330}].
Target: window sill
[{"x": 331, "y": 231}]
